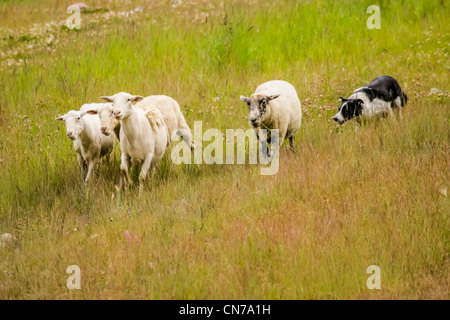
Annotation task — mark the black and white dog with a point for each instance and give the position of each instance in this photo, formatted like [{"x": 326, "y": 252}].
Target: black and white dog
[{"x": 377, "y": 99}]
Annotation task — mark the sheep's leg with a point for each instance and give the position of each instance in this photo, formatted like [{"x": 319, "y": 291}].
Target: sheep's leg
[
  {"x": 265, "y": 158},
  {"x": 90, "y": 170},
  {"x": 83, "y": 166},
  {"x": 291, "y": 143},
  {"x": 124, "y": 168},
  {"x": 187, "y": 137},
  {"x": 263, "y": 148},
  {"x": 144, "y": 170},
  {"x": 275, "y": 145}
]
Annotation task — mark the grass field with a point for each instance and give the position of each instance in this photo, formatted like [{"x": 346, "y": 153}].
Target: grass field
[{"x": 350, "y": 197}]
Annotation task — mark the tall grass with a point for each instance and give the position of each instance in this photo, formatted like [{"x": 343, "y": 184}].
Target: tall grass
[{"x": 349, "y": 198}]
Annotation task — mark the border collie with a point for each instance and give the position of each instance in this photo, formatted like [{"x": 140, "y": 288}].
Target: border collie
[{"x": 377, "y": 99}]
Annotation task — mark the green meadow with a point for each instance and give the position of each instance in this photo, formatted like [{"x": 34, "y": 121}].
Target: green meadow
[{"x": 350, "y": 196}]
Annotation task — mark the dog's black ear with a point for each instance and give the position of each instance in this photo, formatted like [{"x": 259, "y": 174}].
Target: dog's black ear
[
  {"x": 359, "y": 102},
  {"x": 343, "y": 99}
]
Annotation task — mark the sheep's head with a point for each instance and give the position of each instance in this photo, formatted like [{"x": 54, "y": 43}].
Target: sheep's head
[
  {"x": 350, "y": 108},
  {"x": 122, "y": 104},
  {"x": 74, "y": 123},
  {"x": 257, "y": 106},
  {"x": 107, "y": 119}
]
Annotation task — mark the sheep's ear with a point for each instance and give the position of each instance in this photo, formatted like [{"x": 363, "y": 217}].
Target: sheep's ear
[
  {"x": 106, "y": 99},
  {"x": 93, "y": 112},
  {"x": 244, "y": 99},
  {"x": 60, "y": 118},
  {"x": 272, "y": 97},
  {"x": 137, "y": 98},
  {"x": 82, "y": 113}
]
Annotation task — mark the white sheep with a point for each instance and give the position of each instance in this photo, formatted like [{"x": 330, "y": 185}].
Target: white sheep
[
  {"x": 143, "y": 135},
  {"x": 169, "y": 108},
  {"x": 109, "y": 123},
  {"x": 89, "y": 143},
  {"x": 173, "y": 118},
  {"x": 274, "y": 105}
]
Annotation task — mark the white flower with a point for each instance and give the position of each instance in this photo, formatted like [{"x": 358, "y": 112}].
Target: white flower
[{"x": 6, "y": 239}]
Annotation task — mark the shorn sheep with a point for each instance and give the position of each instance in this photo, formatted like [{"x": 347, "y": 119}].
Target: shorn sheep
[
  {"x": 173, "y": 118},
  {"x": 109, "y": 123},
  {"x": 143, "y": 135},
  {"x": 274, "y": 105},
  {"x": 169, "y": 108},
  {"x": 89, "y": 143}
]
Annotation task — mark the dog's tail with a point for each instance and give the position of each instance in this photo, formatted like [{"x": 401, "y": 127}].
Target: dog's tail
[
  {"x": 404, "y": 99},
  {"x": 400, "y": 93}
]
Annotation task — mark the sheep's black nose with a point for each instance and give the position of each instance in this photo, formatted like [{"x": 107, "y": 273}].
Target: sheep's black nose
[{"x": 69, "y": 134}]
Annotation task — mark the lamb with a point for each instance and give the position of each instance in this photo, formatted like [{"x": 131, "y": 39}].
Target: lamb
[
  {"x": 143, "y": 135},
  {"x": 274, "y": 105},
  {"x": 89, "y": 143},
  {"x": 169, "y": 108}
]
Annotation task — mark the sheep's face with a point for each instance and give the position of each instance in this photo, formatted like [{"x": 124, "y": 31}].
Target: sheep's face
[
  {"x": 74, "y": 123},
  {"x": 349, "y": 109},
  {"x": 122, "y": 104},
  {"x": 107, "y": 119},
  {"x": 257, "y": 106}
]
